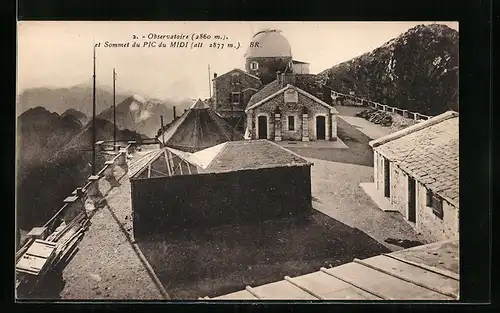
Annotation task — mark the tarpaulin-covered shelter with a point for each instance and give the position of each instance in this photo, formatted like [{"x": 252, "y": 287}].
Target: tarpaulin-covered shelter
[
  {"x": 198, "y": 128},
  {"x": 232, "y": 182}
]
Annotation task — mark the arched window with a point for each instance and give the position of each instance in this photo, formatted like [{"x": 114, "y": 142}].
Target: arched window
[
  {"x": 235, "y": 78},
  {"x": 254, "y": 65}
]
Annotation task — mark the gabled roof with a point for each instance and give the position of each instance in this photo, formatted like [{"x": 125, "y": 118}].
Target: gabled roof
[
  {"x": 299, "y": 62},
  {"x": 238, "y": 70},
  {"x": 428, "y": 151},
  {"x": 274, "y": 89},
  {"x": 198, "y": 128},
  {"x": 247, "y": 155},
  {"x": 199, "y": 104},
  {"x": 226, "y": 157}
]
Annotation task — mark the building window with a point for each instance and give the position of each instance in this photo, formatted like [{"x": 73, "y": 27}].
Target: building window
[
  {"x": 254, "y": 65},
  {"x": 235, "y": 97},
  {"x": 291, "y": 123},
  {"x": 436, "y": 203},
  {"x": 235, "y": 78}
]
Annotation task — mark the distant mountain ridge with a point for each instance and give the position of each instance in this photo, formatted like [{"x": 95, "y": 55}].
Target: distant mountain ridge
[
  {"x": 143, "y": 114},
  {"x": 77, "y": 114},
  {"x": 417, "y": 71},
  {"x": 59, "y": 100}
]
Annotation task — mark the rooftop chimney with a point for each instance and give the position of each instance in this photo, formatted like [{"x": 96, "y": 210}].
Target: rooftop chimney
[
  {"x": 278, "y": 77},
  {"x": 287, "y": 78},
  {"x": 215, "y": 75},
  {"x": 175, "y": 114}
]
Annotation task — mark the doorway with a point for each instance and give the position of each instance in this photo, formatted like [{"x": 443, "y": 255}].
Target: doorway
[
  {"x": 320, "y": 127},
  {"x": 262, "y": 127},
  {"x": 387, "y": 179},
  {"x": 412, "y": 201}
]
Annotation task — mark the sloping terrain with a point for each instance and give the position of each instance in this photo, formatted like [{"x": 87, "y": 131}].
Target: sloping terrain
[
  {"x": 417, "y": 71},
  {"x": 53, "y": 158}
]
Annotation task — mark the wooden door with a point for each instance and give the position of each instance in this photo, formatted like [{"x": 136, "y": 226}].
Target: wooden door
[
  {"x": 320, "y": 127},
  {"x": 262, "y": 127},
  {"x": 412, "y": 200}
]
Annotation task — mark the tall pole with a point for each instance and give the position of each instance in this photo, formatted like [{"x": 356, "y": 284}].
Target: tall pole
[
  {"x": 162, "y": 131},
  {"x": 209, "y": 85},
  {"x": 93, "y": 120},
  {"x": 114, "y": 110}
]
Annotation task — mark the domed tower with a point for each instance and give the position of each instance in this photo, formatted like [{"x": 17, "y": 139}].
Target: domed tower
[{"x": 268, "y": 53}]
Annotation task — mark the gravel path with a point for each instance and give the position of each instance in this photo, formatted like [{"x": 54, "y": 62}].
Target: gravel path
[
  {"x": 106, "y": 266},
  {"x": 336, "y": 192},
  {"x": 373, "y": 131}
]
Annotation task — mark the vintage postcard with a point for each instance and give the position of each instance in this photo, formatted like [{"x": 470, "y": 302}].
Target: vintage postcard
[{"x": 212, "y": 161}]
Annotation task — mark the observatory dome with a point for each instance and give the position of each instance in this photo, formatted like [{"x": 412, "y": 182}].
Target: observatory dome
[{"x": 269, "y": 43}]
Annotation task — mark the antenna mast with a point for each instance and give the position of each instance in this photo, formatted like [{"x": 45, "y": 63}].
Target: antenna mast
[
  {"x": 114, "y": 110},
  {"x": 93, "y": 120},
  {"x": 209, "y": 85}
]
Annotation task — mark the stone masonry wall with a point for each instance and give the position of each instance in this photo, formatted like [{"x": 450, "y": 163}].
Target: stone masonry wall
[
  {"x": 399, "y": 190},
  {"x": 432, "y": 227},
  {"x": 223, "y": 87},
  {"x": 294, "y": 109}
]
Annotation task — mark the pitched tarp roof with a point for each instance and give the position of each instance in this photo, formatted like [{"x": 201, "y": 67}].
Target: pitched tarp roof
[
  {"x": 428, "y": 272},
  {"x": 226, "y": 157},
  {"x": 429, "y": 151},
  {"x": 248, "y": 155},
  {"x": 198, "y": 128}
]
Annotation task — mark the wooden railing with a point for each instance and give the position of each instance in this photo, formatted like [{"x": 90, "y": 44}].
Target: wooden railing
[
  {"x": 81, "y": 192},
  {"x": 381, "y": 107}
]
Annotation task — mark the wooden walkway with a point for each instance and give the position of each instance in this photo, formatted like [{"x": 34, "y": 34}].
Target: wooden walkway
[{"x": 385, "y": 277}]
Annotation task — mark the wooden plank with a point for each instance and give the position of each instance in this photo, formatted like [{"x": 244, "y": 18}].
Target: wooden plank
[
  {"x": 252, "y": 292},
  {"x": 427, "y": 267},
  {"x": 40, "y": 250},
  {"x": 282, "y": 290},
  {"x": 418, "y": 278},
  {"x": 381, "y": 284},
  {"x": 312, "y": 293},
  {"x": 379, "y": 296},
  {"x": 239, "y": 295},
  {"x": 331, "y": 288}
]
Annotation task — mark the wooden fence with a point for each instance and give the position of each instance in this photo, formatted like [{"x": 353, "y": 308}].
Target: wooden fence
[
  {"x": 378, "y": 106},
  {"x": 80, "y": 193}
]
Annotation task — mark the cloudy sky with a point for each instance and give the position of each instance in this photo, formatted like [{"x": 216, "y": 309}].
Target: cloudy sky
[{"x": 59, "y": 54}]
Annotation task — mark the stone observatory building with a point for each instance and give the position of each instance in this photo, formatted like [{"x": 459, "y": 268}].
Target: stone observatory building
[{"x": 268, "y": 53}]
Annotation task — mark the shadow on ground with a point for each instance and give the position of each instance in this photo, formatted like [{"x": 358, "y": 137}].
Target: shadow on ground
[
  {"x": 228, "y": 258},
  {"x": 359, "y": 151}
]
